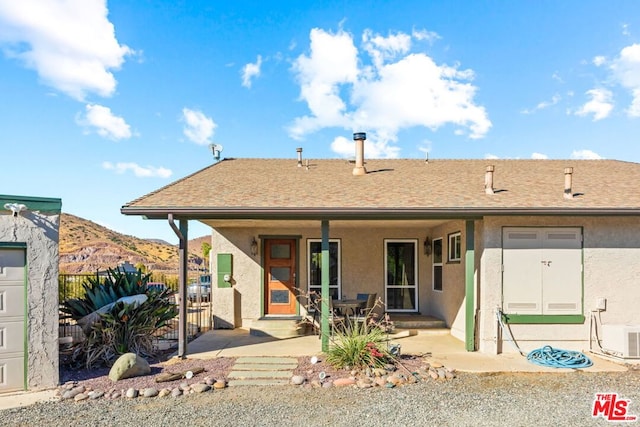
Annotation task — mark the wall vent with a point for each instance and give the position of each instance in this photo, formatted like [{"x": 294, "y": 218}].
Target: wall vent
[{"x": 623, "y": 340}]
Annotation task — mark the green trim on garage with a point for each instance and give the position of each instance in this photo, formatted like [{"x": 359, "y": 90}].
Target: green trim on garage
[
  {"x": 42, "y": 204},
  {"x": 543, "y": 318}
]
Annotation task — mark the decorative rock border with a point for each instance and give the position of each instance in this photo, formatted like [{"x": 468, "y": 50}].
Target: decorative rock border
[
  {"x": 79, "y": 393},
  {"x": 391, "y": 376}
]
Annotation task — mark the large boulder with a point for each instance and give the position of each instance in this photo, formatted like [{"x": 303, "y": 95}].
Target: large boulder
[{"x": 129, "y": 365}]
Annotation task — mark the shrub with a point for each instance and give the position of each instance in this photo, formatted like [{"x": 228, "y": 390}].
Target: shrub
[
  {"x": 359, "y": 345},
  {"x": 356, "y": 343},
  {"x": 114, "y": 320}
]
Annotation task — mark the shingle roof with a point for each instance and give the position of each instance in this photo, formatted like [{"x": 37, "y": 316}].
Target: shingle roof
[{"x": 279, "y": 185}]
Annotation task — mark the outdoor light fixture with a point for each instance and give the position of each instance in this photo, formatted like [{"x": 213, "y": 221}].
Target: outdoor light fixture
[
  {"x": 254, "y": 246},
  {"x": 15, "y": 208},
  {"x": 427, "y": 246}
]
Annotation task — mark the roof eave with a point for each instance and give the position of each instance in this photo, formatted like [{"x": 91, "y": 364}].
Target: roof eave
[{"x": 366, "y": 213}]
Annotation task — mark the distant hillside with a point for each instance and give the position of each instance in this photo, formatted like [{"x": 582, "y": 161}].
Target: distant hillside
[{"x": 86, "y": 247}]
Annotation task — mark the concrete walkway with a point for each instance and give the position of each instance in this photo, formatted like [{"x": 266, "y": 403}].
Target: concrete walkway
[{"x": 438, "y": 344}]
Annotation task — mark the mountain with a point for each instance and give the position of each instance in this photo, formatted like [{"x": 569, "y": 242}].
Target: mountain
[{"x": 86, "y": 247}]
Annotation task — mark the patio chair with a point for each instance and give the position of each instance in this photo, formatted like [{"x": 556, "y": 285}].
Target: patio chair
[
  {"x": 335, "y": 320},
  {"x": 366, "y": 313}
]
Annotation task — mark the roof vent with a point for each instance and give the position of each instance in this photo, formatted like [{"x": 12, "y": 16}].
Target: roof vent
[
  {"x": 568, "y": 183},
  {"x": 359, "y": 138},
  {"x": 299, "y": 151},
  {"x": 488, "y": 180}
]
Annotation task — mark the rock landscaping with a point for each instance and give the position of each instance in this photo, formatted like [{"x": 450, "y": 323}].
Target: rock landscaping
[{"x": 175, "y": 378}]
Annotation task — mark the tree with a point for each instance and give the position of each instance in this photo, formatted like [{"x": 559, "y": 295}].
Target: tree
[{"x": 206, "y": 249}]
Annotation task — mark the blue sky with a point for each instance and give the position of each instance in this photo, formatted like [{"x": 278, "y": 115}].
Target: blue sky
[{"x": 102, "y": 102}]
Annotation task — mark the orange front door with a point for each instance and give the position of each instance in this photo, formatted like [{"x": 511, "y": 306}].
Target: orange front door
[{"x": 280, "y": 276}]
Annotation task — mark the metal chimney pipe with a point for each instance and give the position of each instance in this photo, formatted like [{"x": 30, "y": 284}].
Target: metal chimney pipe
[
  {"x": 299, "y": 151},
  {"x": 359, "y": 138},
  {"x": 568, "y": 183},
  {"x": 488, "y": 180}
]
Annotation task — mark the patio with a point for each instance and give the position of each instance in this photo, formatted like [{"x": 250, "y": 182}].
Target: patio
[{"x": 441, "y": 346}]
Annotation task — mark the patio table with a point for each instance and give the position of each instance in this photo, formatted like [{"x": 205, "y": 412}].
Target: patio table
[{"x": 349, "y": 304}]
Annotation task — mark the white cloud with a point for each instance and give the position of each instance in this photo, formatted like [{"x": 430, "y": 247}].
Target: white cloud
[
  {"x": 372, "y": 149},
  {"x": 426, "y": 146},
  {"x": 585, "y": 155},
  {"x": 539, "y": 156},
  {"x": 625, "y": 30},
  {"x": 70, "y": 43},
  {"x": 599, "y": 60},
  {"x": 634, "y": 108},
  {"x": 556, "y": 76},
  {"x": 139, "y": 171},
  {"x": 105, "y": 123},
  {"x": 600, "y": 104},
  {"x": 430, "y": 36},
  {"x": 198, "y": 128},
  {"x": 249, "y": 71},
  {"x": 544, "y": 104},
  {"x": 490, "y": 156},
  {"x": 398, "y": 90},
  {"x": 626, "y": 70}
]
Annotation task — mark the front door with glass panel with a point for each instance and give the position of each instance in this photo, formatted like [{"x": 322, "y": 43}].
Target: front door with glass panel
[{"x": 280, "y": 276}]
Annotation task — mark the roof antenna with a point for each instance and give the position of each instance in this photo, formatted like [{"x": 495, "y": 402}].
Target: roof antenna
[{"x": 427, "y": 159}]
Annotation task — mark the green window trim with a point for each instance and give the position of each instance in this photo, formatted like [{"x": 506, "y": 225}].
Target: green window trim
[{"x": 543, "y": 318}]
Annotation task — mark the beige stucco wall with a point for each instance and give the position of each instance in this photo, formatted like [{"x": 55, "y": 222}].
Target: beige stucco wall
[
  {"x": 611, "y": 269},
  {"x": 40, "y": 234},
  {"x": 362, "y": 268}
]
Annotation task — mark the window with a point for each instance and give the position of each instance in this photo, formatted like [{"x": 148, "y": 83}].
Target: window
[
  {"x": 437, "y": 264},
  {"x": 314, "y": 279},
  {"x": 454, "y": 247},
  {"x": 401, "y": 272}
]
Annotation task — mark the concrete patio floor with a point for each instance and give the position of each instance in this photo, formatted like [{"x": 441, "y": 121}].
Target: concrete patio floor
[{"x": 439, "y": 345}]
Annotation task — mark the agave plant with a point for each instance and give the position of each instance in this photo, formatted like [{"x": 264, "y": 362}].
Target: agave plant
[
  {"x": 99, "y": 292},
  {"x": 114, "y": 320},
  {"x": 128, "y": 328}
]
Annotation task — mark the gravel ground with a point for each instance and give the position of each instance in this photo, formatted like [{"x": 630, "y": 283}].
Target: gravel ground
[{"x": 562, "y": 399}]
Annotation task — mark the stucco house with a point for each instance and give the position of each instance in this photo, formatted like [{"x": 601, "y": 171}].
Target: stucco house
[
  {"x": 544, "y": 243},
  {"x": 28, "y": 292}
]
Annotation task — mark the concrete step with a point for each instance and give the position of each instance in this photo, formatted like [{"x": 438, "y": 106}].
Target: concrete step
[
  {"x": 235, "y": 383},
  {"x": 408, "y": 323},
  {"x": 262, "y": 371},
  {"x": 288, "y": 327},
  {"x": 265, "y": 367},
  {"x": 243, "y": 375},
  {"x": 401, "y": 332},
  {"x": 267, "y": 360}
]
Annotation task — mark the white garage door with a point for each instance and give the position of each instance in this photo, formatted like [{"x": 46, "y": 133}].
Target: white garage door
[
  {"x": 12, "y": 319},
  {"x": 542, "y": 270}
]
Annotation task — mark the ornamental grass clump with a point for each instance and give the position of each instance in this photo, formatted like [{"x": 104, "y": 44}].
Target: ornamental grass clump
[{"x": 359, "y": 345}]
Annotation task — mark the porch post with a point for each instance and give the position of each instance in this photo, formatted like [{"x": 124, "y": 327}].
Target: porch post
[
  {"x": 324, "y": 291},
  {"x": 182, "y": 287},
  {"x": 469, "y": 259}
]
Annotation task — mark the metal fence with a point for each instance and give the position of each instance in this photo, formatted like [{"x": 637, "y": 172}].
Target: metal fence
[{"x": 199, "y": 317}]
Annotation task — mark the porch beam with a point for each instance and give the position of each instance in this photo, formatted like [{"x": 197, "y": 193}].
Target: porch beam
[
  {"x": 470, "y": 298},
  {"x": 324, "y": 289}
]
